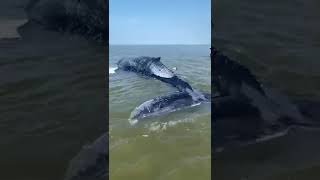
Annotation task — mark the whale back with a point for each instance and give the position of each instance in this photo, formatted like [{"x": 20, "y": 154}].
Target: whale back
[
  {"x": 150, "y": 66},
  {"x": 164, "y": 104},
  {"x": 159, "y": 69}
]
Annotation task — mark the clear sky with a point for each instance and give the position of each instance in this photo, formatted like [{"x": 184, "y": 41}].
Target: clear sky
[{"x": 159, "y": 21}]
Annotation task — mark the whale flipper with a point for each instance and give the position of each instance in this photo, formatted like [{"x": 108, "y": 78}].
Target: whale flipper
[{"x": 159, "y": 69}]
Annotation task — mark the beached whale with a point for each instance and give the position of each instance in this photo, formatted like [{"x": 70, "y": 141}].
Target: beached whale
[{"x": 153, "y": 67}]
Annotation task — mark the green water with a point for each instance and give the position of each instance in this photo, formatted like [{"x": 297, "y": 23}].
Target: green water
[
  {"x": 279, "y": 42},
  {"x": 172, "y": 146}
]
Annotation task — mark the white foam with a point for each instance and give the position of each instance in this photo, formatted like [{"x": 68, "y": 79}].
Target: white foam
[
  {"x": 162, "y": 126},
  {"x": 132, "y": 121},
  {"x": 112, "y": 70}
]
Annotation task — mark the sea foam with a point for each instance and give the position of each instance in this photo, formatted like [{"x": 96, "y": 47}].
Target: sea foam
[{"x": 112, "y": 70}]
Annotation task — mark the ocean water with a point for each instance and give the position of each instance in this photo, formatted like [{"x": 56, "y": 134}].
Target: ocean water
[
  {"x": 53, "y": 102},
  {"x": 171, "y": 146},
  {"x": 279, "y": 42}
]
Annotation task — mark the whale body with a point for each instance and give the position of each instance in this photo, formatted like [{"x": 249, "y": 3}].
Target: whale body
[
  {"x": 164, "y": 104},
  {"x": 153, "y": 67}
]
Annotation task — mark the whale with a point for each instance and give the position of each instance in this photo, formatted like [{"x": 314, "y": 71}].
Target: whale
[
  {"x": 153, "y": 67},
  {"x": 239, "y": 84},
  {"x": 165, "y": 104},
  {"x": 238, "y": 92}
]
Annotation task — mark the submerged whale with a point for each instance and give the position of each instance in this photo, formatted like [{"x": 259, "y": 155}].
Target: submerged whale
[{"x": 153, "y": 67}]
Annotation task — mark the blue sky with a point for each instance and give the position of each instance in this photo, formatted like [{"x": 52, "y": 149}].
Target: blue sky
[{"x": 159, "y": 21}]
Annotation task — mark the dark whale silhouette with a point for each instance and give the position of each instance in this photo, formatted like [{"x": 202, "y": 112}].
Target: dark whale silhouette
[
  {"x": 91, "y": 163},
  {"x": 236, "y": 83}
]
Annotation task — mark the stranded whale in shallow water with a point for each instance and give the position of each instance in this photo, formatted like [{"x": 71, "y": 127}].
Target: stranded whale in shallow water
[
  {"x": 239, "y": 93},
  {"x": 153, "y": 67}
]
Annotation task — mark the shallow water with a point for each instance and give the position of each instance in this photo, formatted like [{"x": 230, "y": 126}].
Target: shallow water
[
  {"x": 279, "y": 42},
  {"x": 171, "y": 146}
]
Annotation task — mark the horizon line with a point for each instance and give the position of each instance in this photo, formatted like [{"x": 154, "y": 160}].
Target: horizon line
[{"x": 154, "y": 44}]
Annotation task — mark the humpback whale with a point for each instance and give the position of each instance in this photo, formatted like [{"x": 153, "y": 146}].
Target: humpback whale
[
  {"x": 239, "y": 92},
  {"x": 164, "y": 104},
  {"x": 153, "y": 67},
  {"x": 238, "y": 84}
]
